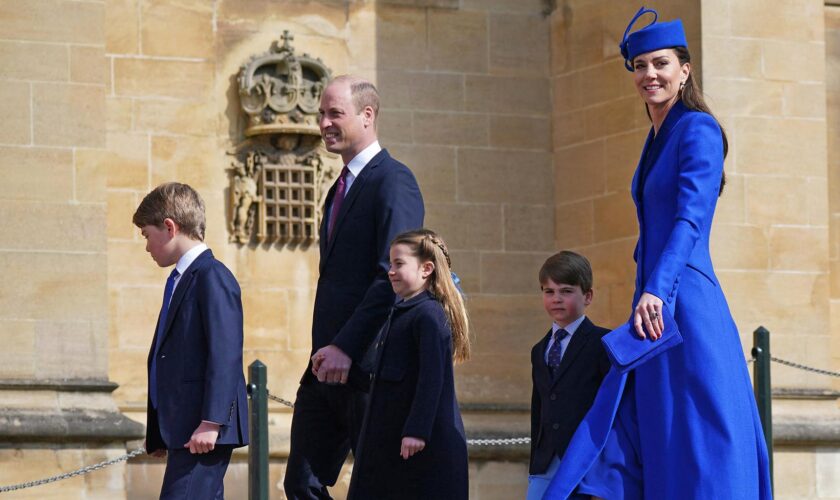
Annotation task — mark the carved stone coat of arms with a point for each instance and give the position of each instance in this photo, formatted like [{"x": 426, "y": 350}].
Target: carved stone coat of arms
[{"x": 281, "y": 172}]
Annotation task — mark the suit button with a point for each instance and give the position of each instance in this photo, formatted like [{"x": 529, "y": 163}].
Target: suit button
[
  {"x": 162, "y": 356},
  {"x": 555, "y": 426},
  {"x": 553, "y": 397}
]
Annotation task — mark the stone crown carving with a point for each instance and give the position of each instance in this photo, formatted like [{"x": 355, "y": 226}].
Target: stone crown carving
[
  {"x": 281, "y": 172},
  {"x": 280, "y": 91}
]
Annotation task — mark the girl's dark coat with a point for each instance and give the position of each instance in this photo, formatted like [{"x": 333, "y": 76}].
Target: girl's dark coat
[{"x": 413, "y": 394}]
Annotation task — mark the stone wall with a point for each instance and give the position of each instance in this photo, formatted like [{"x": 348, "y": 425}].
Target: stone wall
[
  {"x": 466, "y": 104},
  {"x": 832, "y": 80},
  {"x": 57, "y": 412},
  {"x": 523, "y": 129},
  {"x": 771, "y": 239},
  {"x": 53, "y": 243}
]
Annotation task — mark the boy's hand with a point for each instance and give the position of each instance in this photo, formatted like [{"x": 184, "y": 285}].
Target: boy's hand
[
  {"x": 156, "y": 453},
  {"x": 331, "y": 365},
  {"x": 203, "y": 439},
  {"x": 410, "y": 446}
]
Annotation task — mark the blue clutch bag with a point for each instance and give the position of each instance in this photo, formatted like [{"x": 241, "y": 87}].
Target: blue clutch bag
[{"x": 627, "y": 350}]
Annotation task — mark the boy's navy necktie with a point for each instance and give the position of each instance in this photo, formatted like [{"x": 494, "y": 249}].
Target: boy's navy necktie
[
  {"x": 164, "y": 309},
  {"x": 555, "y": 354}
]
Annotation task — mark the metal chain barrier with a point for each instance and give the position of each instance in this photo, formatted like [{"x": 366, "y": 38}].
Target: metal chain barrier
[
  {"x": 804, "y": 367},
  {"x": 78, "y": 472},
  {"x": 498, "y": 442},
  {"x": 280, "y": 400},
  {"x": 474, "y": 442}
]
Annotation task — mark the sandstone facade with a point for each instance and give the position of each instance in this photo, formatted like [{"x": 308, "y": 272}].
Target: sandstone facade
[{"x": 523, "y": 129}]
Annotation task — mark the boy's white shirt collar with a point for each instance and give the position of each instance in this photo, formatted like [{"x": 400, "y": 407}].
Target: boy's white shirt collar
[
  {"x": 571, "y": 327},
  {"x": 188, "y": 258}
]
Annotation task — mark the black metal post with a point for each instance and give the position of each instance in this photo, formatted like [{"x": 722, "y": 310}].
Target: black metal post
[
  {"x": 258, "y": 447},
  {"x": 761, "y": 386}
]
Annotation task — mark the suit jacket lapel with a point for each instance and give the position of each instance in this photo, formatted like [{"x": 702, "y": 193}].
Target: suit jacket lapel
[
  {"x": 322, "y": 236},
  {"x": 654, "y": 144},
  {"x": 350, "y": 198},
  {"x": 543, "y": 371},
  {"x": 640, "y": 175},
  {"x": 579, "y": 339},
  {"x": 181, "y": 290}
]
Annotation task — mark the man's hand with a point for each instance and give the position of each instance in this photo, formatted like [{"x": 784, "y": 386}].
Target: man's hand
[
  {"x": 156, "y": 453},
  {"x": 203, "y": 439},
  {"x": 331, "y": 365},
  {"x": 410, "y": 446}
]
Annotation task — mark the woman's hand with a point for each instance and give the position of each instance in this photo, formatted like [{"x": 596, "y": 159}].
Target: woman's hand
[
  {"x": 410, "y": 446},
  {"x": 648, "y": 313}
]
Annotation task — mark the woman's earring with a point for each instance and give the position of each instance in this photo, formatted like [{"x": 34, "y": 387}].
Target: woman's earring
[{"x": 682, "y": 86}]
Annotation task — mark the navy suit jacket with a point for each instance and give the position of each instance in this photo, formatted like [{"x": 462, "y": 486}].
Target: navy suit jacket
[
  {"x": 354, "y": 294},
  {"x": 560, "y": 401},
  {"x": 199, "y": 363}
]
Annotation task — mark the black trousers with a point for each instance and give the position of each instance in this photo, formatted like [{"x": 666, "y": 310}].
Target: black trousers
[
  {"x": 326, "y": 423},
  {"x": 199, "y": 476}
]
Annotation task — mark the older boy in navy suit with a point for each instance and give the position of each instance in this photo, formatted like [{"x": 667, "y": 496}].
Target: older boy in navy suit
[
  {"x": 568, "y": 365},
  {"x": 197, "y": 406}
]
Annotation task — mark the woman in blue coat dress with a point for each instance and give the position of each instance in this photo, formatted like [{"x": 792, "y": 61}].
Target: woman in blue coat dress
[
  {"x": 684, "y": 424},
  {"x": 412, "y": 444}
]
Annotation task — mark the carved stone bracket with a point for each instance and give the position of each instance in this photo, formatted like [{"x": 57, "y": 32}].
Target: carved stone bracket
[{"x": 281, "y": 172}]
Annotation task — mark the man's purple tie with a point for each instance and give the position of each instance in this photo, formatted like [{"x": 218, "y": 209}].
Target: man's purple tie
[
  {"x": 555, "y": 354},
  {"x": 338, "y": 199},
  {"x": 164, "y": 310}
]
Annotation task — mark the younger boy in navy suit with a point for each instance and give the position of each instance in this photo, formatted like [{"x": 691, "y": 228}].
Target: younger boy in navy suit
[
  {"x": 568, "y": 365},
  {"x": 197, "y": 405}
]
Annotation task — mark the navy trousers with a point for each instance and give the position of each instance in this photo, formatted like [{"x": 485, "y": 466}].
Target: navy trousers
[
  {"x": 199, "y": 476},
  {"x": 325, "y": 427}
]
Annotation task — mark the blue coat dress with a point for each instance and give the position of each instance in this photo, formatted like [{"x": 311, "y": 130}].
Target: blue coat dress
[
  {"x": 413, "y": 394},
  {"x": 684, "y": 424}
]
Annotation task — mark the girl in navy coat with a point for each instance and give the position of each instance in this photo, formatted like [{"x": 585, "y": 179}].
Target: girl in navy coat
[
  {"x": 412, "y": 444},
  {"x": 686, "y": 426}
]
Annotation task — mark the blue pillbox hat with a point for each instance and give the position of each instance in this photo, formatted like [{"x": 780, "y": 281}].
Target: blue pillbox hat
[{"x": 652, "y": 37}]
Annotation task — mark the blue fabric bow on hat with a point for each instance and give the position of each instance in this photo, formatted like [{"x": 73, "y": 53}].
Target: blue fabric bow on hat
[{"x": 652, "y": 37}]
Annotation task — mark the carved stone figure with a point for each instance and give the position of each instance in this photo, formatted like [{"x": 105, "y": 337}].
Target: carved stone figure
[{"x": 244, "y": 196}]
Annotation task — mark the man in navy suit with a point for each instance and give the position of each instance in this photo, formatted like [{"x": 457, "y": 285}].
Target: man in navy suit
[
  {"x": 374, "y": 198},
  {"x": 197, "y": 406}
]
